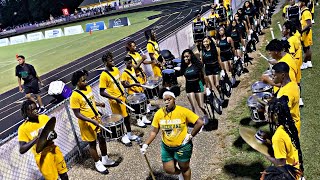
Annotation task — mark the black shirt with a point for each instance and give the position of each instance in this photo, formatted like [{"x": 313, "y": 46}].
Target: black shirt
[
  {"x": 209, "y": 57},
  {"x": 224, "y": 45},
  {"x": 26, "y": 72},
  {"x": 192, "y": 72},
  {"x": 235, "y": 34}
]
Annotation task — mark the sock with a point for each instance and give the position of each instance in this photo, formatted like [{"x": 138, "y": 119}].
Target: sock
[
  {"x": 129, "y": 134},
  {"x": 104, "y": 158}
]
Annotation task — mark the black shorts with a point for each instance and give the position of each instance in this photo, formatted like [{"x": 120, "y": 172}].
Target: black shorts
[
  {"x": 32, "y": 87},
  {"x": 226, "y": 56},
  {"x": 236, "y": 45},
  {"x": 212, "y": 69},
  {"x": 194, "y": 86},
  {"x": 305, "y": 49}
]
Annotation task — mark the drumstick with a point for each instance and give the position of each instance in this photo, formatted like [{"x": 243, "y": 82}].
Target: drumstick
[
  {"x": 104, "y": 128},
  {"x": 146, "y": 158},
  {"x": 272, "y": 34},
  {"x": 127, "y": 106},
  {"x": 264, "y": 57},
  {"x": 279, "y": 25},
  {"x": 145, "y": 86}
]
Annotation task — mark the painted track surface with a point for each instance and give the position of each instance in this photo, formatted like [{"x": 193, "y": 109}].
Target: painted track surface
[{"x": 178, "y": 14}]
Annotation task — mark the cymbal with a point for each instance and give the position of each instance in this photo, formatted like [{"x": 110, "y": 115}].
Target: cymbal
[
  {"x": 248, "y": 135},
  {"x": 42, "y": 140}
]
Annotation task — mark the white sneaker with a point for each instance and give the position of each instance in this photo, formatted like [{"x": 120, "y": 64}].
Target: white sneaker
[
  {"x": 148, "y": 108},
  {"x": 131, "y": 136},
  {"x": 107, "y": 161},
  {"x": 140, "y": 123},
  {"x": 101, "y": 168},
  {"x": 304, "y": 66},
  {"x": 317, "y": 4},
  {"x": 309, "y": 64},
  {"x": 312, "y": 21},
  {"x": 145, "y": 120},
  {"x": 301, "y": 102},
  {"x": 181, "y": 176},
  {"x": 125, "y": 140}
]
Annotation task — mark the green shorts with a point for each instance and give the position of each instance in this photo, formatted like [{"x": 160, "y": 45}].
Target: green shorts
[{"x": 181, "y": 153}]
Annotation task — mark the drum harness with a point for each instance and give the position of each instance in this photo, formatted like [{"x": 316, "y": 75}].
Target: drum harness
[
  {"x": 115, "y": 81},
  {"x": 89, "y": 102}
]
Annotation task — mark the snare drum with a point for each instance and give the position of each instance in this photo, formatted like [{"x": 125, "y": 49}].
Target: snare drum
[
  {"x": 115, "y": 123},
  {"x": 198, "y": 31},
  {"x": 153, "y": 93},
  {"x": 257, "y": 109},
  {"x": 169, "y": 77},
  {"x": 259, "y": 86},
  {"x": 138, "y": 101}
]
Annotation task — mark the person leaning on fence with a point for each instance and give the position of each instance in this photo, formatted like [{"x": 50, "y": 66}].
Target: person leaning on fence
[
  {"x": 50, "y": 161},
  {"x": 88, "y": 121},
  {"x": 31, "y": 81}
]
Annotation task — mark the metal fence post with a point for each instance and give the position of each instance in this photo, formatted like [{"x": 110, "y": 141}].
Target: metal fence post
[
  {"x": 178, "y": 48},
  {"x": 73, "y": 128}
]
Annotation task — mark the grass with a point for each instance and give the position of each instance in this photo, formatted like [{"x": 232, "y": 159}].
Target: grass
[
  {"x": 246, "y": 163},
  {"x": 49, "y": 54}
]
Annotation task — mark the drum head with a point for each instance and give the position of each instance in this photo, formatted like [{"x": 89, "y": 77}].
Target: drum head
[
  {"x": 168, "y": 71},
  {"x": 177, "y": 61},
  {"x": 111, "y": 119},
  {"x": 136, "y": 98},
  {"x": 260, "y": 87}
]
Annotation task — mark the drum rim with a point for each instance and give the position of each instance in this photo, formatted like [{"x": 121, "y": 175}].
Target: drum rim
[
  {"x": 113, "y": 123},
  {"x": 135, "y": 102}
]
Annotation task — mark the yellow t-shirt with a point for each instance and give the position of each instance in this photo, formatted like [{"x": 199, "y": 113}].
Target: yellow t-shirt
[
  {"x": 174, "y": 125},
  {"x": 283, "y": 147},
  {"x": 29, "y": 130},
  {"x": 153, "y": 47},
  {"x": 77, "y": 101},
  {"x": 296, "y": 51},
  {"x": 306, "y": 36},
  {"x": 226, "y": 3},
  {"x": 202, "y": 19},
  {"x": 293, "y": 92},
  {"x": 107, "y": 82},
  {"x": 126, "y": 77},
  {"x": 284, "y": 10},
  {"x": 142, "y": 77},
  {"x": 292, "y": 64}
]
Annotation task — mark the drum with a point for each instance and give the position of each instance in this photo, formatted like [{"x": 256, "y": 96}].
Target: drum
[
  {"x": 153, "y": 92},
  {"x": 177, "y": 67},
  {"x": 259, "y": 86},
  {"x": 169, "y": 77},
  {"x": 198, "y": 31},
  {"x": 211, "y": 24},
  {"x": 257, "y": 107},
  {"x": 115, "y": 123},
  {"x": 138, "y": 101}
]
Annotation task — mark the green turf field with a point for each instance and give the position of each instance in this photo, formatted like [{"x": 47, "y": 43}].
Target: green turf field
[
  {"x": 246, "y": 163},
  {"x": 49, "y": 54}
]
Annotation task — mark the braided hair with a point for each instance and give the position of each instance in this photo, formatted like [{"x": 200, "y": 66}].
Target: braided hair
[
  {"x": 280, "y": 107},
  {"x": 278, "y": 45},
  {"x": 25, "y": 107},
  {"x": 286, "y": 172},
  {"x": 77, "y": 75}
]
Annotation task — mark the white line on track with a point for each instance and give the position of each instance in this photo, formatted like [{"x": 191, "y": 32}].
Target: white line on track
[{"x": 51, "y": 52}]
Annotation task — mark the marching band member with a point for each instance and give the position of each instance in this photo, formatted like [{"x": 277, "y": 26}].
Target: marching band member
[
  {"x": 243, "y": 27},
  {"x": 111, "y": 88},
  {"x": 237, "y": 37},
  {"x": 285, "y": 141},
  {"x": 130, "y": 81},
  {"x": 287, "y": 172},
  {"x": 89, "y": 121},
  {"x": 50, "y": 161},
  {"x": 226, "y": 52},
  {"x": 212, "y": 23},
  {"x": 221, "y": 11},
  {"x": 176, "y": 145},
  {"x": 306, "y": 33},
  {"x": 154, "y": 52},
  {"x": 199, "y": 19},
  {"x": 192, "y": 69}
]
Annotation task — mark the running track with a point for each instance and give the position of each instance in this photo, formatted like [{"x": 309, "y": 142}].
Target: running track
[{"x": 178, "y": 14}]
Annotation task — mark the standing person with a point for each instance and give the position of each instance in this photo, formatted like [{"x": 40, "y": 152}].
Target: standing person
[
  {"x": 154, "y": 52},
  {"x": 50, "y": 161},
  {"x": 31, "y": 82},
  {"x": 198, "y": 37},
  {"x": 192, "y": 69},
  {"x": 89, "y": 121},
  {"x": 286, "y": 172},
  {"x": 111, "y": 88},
  {"x": 176, "y": 145},
  {"x": 306, "y": 33},
  {"x": 236, "y": 35},
  {"x": 285, "y": 141},
  {"x": 130, "y": 81}
]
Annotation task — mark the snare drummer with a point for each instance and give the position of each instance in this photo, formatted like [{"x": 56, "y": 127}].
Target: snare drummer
[
  {"x": 88, "y": 121},
  {"x": 176, "y": 145},
  {"x": 111, "y": 88},
  {"x": 130, "y": 81}
]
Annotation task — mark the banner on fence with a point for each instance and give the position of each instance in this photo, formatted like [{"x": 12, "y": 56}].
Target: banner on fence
[
  {"x": 119, "y": 22},
  {"x": 35, "y": 36},
  {"x": 72, "y": 30},
  {"x": 96, "y": 26},
  {"x": 4, "y": 42},
  {"x": 53, "y": 33},
  {"x": 18, "y": 39}
]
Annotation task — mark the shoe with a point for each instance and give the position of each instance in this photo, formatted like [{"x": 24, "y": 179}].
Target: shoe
[
  {"x": 148, "y": 108},
  {"x": 233, "y": 81},
  {"x": 181, "y": 176},
  {"x": 145, "y": 120},
  {"x": 205, "y": 120},
  {"x": 309, "y": 64},
  {"x": 42, "y": 110},
  {"x": 132, "y": 137},
  {"x": 304, "y": 66},
  {"x": 140, "y": 123},
  {"x": 312, "y": 21},
  {"x": 101, "y": 168},
  {"x": 107, "y": 162},
  {"x": 317, "y": 4},
  {"x": 126, "y": 141},
  {"x": 301, "y": 102}
]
